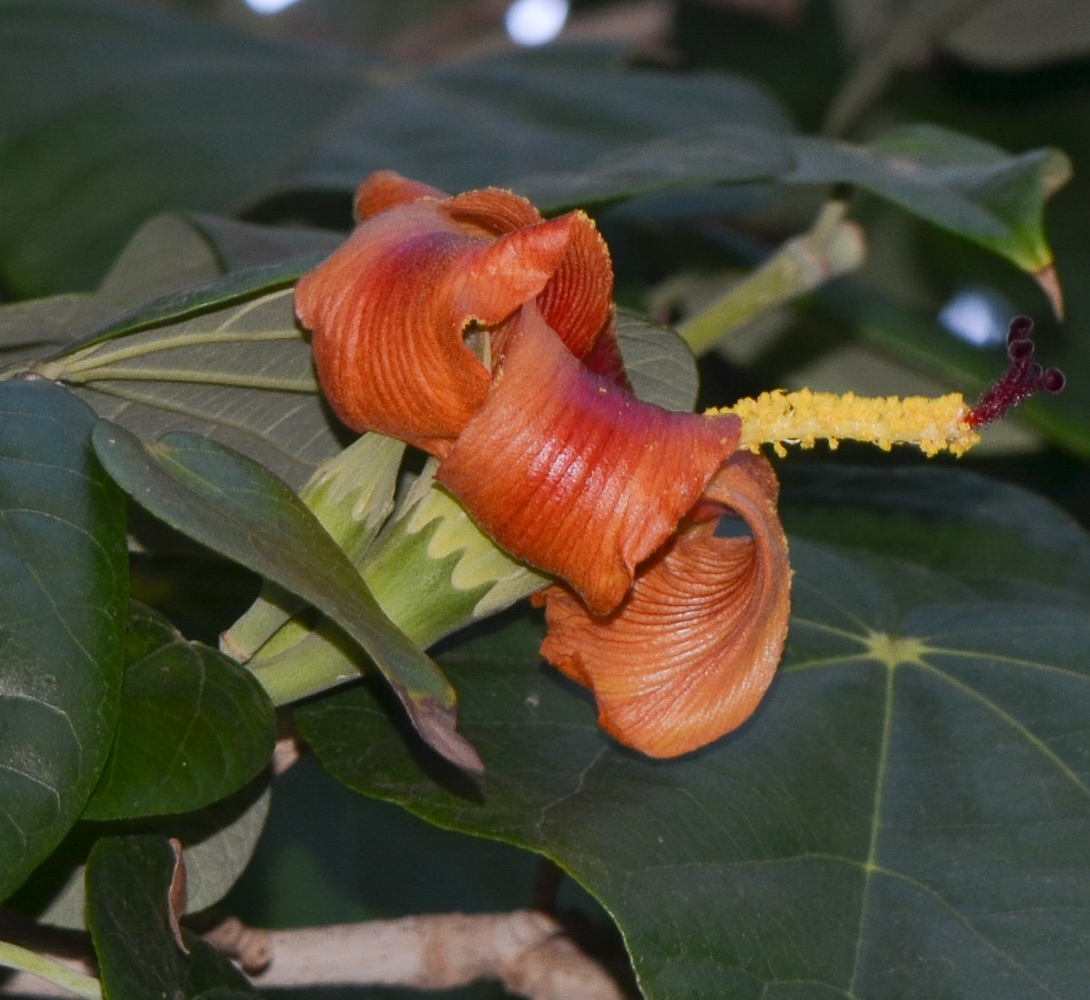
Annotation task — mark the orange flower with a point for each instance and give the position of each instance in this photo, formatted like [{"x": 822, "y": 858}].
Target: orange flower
[{"x": 474, "y": 329}]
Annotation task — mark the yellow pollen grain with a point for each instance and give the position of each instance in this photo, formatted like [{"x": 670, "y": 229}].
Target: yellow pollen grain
[{"x": 779, "y": 418}]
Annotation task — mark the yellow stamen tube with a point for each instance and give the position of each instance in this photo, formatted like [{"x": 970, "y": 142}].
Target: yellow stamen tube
[{"x": 779, "y": 418}]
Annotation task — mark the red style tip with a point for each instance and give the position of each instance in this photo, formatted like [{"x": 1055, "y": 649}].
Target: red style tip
[{"x": 1021, "y": 380}]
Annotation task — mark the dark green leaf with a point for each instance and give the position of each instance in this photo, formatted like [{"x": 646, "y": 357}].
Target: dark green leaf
[
  {"x": 128, "y": 886},
  {"x": 659, "y": 365},
  {"x": 239, "y": 509},
  {"x": 907, "y": 814},
  {"x": 967, "y": 186},
  {"x": 529, "y": 110},
  {"x": 241, "y": 246},
  {"x": 730, "y": 154},
  {"x": 219, "y": 842},
  {"x": 167, "y": 254},
  {"x": 194, "y": 727},
  {"x": 951, "y": 520},
  {"x": 107, "y": 116},
  {"x": 64, "y": 584}
]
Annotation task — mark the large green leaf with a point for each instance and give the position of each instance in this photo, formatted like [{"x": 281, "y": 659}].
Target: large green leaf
[
  {"x": 104, "y": 99},
  {"x": 194, "y": 727},
  {"x": 968, "y": 187},
  {"x": 114, "y": 112},
  {"x": 64, "y": 583},
  {"x": 530, "y": 110},
  {"x": 138, "y": 945},
  {"x": 106, "y": 109},
  {"x": 906, "y": 815},
  {"x": 989, "y": 533},
  {"x": 238, "y": 508},
  {"x": 222, "y": 357},
  {"x": 241, "y": 373}
]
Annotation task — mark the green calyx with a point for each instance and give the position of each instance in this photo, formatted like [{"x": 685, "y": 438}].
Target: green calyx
[{"x": 429, "y": 566}]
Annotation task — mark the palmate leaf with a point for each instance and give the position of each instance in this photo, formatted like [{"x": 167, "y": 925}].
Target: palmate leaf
[
  {"x": 906, "y": 815},
  {"x": 64, "y": 587}
]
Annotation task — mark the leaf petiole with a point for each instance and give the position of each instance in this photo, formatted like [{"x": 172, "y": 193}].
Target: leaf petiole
[{"x": 14, "y": 956}]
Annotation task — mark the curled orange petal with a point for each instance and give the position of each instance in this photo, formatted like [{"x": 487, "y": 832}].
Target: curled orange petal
[
  {"x": 390, "y": 309},
  {"x": 385, "y": 189},
  {"x": 689, "y": 654},
  {"x": 572, "y": 474}
]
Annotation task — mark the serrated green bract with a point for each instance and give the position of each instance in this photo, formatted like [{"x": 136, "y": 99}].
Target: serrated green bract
[{"x": 238, "y": 508}]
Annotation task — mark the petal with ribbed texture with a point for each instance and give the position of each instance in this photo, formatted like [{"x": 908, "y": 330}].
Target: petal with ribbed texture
[
  {"x": 690, "y": 653},
  {"x": 572, "y": 474}
]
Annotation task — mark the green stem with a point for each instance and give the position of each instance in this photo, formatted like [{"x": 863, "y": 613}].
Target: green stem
[
  {"x": 831, "y": 248},
  {"x": 306, "y": 668},
  {"x": 15, "y": 957}
]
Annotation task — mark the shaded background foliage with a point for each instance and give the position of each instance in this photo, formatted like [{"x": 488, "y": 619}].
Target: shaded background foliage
[{"x": 792, "y": 875}]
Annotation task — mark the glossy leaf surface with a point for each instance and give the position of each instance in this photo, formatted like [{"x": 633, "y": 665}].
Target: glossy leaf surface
[
  {"x": 194, "y": 727},
  {"x": 906, "y": 815},
  {"x": 64, "y": 580},
  {"x": 237, "y": 508}
]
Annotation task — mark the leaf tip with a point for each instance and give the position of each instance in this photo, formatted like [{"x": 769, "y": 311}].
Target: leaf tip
[
  {"x": 435, "y": 725},
  {"x": 1049, "y": 282}
]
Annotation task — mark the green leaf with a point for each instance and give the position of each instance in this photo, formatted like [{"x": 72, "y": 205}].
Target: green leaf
[
  {"x": 528, "y": 109},
  {"x": 223, "y": 357},
  {"x": 219, "y": 842},
  {"x": 63, "y": 576},
  {"x": 194, "y": 727},
  {"x": 106, "y": 118},
  {"x": 230, "y": 362},
  {"x": 36, "y": 329},
  {"x": 963, "y": 185},
  {"x": 140, "y": 958},
  {"x": 166, "y": 254},
  {"x": 952, "y": 520},
  {"x": 236, "y": 507},
  {"x": 658, "y": 363},
  {"x": 906, "y": 815},
  {"x": 105, "y": 109}
]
